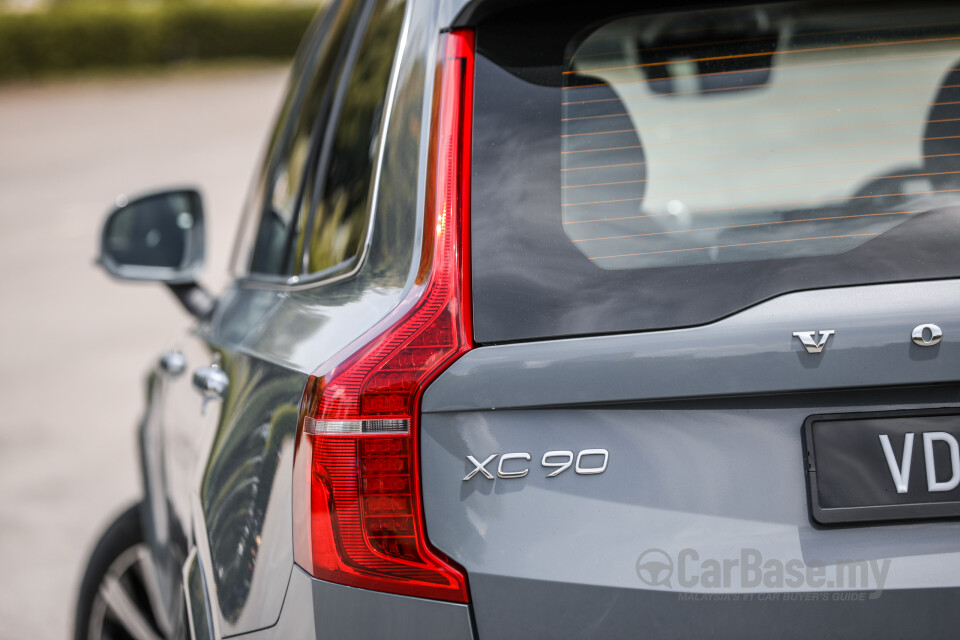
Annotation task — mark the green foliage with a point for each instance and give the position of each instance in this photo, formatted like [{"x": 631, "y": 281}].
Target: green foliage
[{"x": 71, "y": 37}]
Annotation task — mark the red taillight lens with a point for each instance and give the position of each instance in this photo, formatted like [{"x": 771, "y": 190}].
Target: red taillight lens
[{"x": 358, "y": 518}]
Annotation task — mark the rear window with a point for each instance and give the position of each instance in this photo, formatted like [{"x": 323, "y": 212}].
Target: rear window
[{"x": 666, "y": 170}]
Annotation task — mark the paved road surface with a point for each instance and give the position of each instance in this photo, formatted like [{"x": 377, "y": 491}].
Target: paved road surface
[{"x": 75, "y": 345}]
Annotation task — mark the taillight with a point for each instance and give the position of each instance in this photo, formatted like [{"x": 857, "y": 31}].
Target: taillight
[{"x": 358, "y": 517}]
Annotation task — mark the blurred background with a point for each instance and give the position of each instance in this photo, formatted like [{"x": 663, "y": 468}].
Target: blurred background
[{"x": 99, "y": 99}]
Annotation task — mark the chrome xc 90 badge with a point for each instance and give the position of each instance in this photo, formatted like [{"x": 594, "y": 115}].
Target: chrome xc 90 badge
[
  {"x": 811, "y": 345},
  {"x": 588, "y": 462}
]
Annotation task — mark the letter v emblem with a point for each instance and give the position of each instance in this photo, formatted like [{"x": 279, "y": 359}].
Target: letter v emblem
[
  {"x": 899, "y": 472},
  {"x": 811, "y": 345}
]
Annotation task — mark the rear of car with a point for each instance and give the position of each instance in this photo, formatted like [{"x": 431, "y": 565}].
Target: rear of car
[
  {"x": 676, "y": 352},
  {"x": 714, "y": 389}
]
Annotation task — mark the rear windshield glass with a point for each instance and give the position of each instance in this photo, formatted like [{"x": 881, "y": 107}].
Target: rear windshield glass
[{"x": 666, "y": 170}]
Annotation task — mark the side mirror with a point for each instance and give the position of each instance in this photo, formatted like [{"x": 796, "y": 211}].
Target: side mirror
[{"x": 156, "y": 237}]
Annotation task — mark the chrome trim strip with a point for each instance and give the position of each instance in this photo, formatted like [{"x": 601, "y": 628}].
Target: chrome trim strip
[
  {"x": 201, "y": 550},
  {"x": 185, "y": 580}
]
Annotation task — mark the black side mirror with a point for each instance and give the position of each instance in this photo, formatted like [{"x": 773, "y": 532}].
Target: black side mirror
[{"x": 158, "y": 237}]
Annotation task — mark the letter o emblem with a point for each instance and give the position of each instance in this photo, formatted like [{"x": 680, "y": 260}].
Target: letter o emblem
[{"x": 920, "y": 335}]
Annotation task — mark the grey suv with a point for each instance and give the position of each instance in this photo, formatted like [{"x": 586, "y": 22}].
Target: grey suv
[{"x": 548, "y": 320}]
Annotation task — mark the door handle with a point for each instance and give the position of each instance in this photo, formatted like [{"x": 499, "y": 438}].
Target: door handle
[
  {"x": 212, "y": 382},
  {"x": 173, "y": 363}
]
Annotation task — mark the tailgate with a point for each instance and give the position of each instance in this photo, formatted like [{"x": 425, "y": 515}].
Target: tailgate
[
  {"x": 700, "y": 524},
  {"x": 716, "y": 302}
]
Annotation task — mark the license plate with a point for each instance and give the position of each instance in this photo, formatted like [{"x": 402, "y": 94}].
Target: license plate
[{"x": 865, "y": 467}]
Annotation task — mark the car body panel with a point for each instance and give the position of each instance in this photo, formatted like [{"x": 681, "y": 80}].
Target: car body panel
[
  {"x": 245, "y": 494},
  {"x": 753, "y": 351},
  {"x": 531, "y": 608},
  {"x": 245, "y": 511},
  {"x": 704, "y": 432},
  {"x": 315, "y": 609}
]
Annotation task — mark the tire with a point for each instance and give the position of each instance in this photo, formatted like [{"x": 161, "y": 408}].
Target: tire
[{"x": 113, "y": 603}]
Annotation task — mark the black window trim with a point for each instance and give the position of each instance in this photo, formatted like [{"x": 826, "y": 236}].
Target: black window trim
[{"x": 320, "y": 159}]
